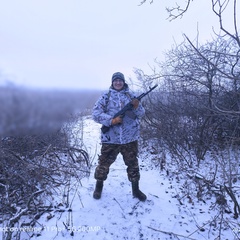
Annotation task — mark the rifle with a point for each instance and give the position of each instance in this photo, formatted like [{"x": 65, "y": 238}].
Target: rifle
[{"x": 127, "y": 108}]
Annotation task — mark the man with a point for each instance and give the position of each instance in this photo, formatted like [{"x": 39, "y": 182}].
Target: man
[{"x": 122, "y": 136}]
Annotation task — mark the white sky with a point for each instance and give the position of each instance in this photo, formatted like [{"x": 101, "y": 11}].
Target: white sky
[{"x": 81, "y": 43}]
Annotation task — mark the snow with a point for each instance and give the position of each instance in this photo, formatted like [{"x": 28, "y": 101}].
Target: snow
[{"x": 117, "y": 215}]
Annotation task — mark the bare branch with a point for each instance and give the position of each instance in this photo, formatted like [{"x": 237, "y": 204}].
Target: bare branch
[
  {"x": 144, "y": 1},
  {"x": 218, "y": 8},
  {"x": 171, "y": 233},
  {"x": 179, "y": 11},
  {"x": 211, "y": 63}
]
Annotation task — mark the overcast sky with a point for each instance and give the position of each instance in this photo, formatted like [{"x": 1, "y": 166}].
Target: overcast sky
[{"x": 81, "y": 43}]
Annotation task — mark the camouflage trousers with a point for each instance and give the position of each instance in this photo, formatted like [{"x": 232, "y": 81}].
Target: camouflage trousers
[{"x": 108, "y": 156}]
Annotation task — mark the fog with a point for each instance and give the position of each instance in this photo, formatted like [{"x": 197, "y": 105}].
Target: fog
[{"x": 31, "y": 111}]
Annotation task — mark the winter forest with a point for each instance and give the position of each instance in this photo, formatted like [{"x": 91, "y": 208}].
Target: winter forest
[{"x": 189, "y": 152}]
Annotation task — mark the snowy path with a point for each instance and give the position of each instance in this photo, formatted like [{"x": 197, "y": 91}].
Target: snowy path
[{"x": 117, "y": 215}]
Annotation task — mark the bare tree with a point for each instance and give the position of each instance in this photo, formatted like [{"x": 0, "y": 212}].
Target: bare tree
[
  {"x": 219, "y": 7},
  {"x": 190, "y": 89},
  {"x": 196, "y": 112}
]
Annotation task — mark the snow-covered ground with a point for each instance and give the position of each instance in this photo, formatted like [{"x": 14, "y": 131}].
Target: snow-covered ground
[{"x": 117, "y": 215}]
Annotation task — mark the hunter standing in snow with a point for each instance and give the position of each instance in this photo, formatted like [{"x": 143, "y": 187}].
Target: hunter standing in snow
[{"x": 122, "y": 135}]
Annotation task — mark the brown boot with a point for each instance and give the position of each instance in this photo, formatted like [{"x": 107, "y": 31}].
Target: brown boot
[
  {"x": 98, "y": 190},
  {"x": 137, "y": 193}
]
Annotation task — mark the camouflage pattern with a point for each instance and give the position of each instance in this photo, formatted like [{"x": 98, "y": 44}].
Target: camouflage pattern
[
  {"x": 108, "y": 156},
  {"x": 107, "y": 106}
]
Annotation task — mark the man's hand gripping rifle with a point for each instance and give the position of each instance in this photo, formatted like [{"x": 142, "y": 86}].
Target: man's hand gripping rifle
[{"x": 127, "y": 109}]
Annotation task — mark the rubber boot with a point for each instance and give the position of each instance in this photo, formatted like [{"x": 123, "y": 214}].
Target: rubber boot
[
  {"x": 98, "y": 190},
  {"x": 137, "y": 193}
]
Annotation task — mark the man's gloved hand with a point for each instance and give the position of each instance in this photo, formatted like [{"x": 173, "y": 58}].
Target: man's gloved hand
[
  {"x": 135, "y": 103},
  {"x": 116, "y": 120}
]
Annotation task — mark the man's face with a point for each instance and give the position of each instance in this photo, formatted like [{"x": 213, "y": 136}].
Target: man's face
[{"x": 118, "y": 84}]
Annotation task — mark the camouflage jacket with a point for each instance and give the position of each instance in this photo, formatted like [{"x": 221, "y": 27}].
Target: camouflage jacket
[{"x": 107, "y": 106}]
